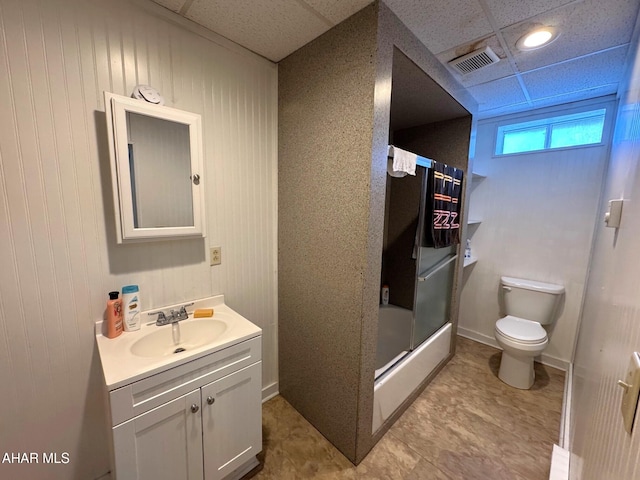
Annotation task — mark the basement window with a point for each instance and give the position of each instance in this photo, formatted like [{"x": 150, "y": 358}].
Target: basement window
[{"x": 584, "y": 128}]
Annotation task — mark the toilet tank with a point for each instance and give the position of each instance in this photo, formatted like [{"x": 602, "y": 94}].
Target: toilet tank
[{"x": 531, "y": 300}]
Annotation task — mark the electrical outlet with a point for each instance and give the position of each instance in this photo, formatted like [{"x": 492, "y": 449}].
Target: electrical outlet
[{"x": 216, "y": 255}]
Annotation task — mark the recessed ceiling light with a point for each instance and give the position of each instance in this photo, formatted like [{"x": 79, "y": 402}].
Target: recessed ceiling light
[{"x": 537, "y": 38}]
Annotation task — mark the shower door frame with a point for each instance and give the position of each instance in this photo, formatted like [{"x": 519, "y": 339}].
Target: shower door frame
[{"x": 419, "y": 245}]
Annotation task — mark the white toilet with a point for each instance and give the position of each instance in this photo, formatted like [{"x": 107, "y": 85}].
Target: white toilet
[{"x": 529, "y": 305}]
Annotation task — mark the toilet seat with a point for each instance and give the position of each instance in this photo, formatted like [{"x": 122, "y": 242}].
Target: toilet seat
[{"x": 521, "y": 330}]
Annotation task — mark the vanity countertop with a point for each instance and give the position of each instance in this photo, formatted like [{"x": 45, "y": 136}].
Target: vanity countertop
[{"x": 120, "y": 366}]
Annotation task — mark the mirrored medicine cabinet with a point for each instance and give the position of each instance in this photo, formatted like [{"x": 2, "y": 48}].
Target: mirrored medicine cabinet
[{"x": 156, "y": 168}]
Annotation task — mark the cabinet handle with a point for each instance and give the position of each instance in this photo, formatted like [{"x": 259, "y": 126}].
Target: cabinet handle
[
  {"x": 195, "y": 408},
  {"x": 210, "y": 400}
]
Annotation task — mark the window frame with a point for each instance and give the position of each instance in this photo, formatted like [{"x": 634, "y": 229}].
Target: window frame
[{"x": 555, "y": 116}]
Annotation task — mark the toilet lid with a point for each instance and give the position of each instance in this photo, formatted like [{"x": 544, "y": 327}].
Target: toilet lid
[{"x": 521, "y": 330}]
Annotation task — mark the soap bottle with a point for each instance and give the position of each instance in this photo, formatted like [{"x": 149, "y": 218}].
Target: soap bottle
[
  {"x": 131, "y": 307},
  {"x": 114, "y": 315},
  {"x": 385, "y": 295}
]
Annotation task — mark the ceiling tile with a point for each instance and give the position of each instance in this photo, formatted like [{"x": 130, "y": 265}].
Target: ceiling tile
[
  {"x": 492, "y": 72},
  {"x": 487, "y": 112},
  {"x": 452, "y": 28},
  {"x": 273, "y": 29},
  {"x": 605, "y": 68},
  {"x": 337, "y": 10},
  {"x": 442, "y": 25},
  {"x": 585, "y": 27},
  {"x": 508, "y": 12},
  {"x": 575, "y": 97},
  {"x": 174, "y": 5},
  {"x": 510, "y": 93}
]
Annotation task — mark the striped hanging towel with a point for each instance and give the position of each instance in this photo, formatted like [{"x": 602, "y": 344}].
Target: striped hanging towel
[{"x": 444, "y": 196}]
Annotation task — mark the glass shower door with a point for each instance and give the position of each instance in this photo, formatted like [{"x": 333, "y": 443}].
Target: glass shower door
[{"x": 433, "y": 297}]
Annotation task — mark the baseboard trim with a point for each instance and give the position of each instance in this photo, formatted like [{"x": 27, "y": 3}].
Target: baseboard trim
[
  {"x": 491, "y": 341},
  {"x": 270, "y": 391},
  {"x": 559, "y": 464},
  {"x": 565, "y": 419},
  {"x": 478, "y": 337}
]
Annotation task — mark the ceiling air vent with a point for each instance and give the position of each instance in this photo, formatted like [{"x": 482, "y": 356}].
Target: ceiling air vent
[{"x": 473, "y": 61}]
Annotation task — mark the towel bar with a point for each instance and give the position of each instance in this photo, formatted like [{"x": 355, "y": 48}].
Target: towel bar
[{"x": 422, "y": 161}]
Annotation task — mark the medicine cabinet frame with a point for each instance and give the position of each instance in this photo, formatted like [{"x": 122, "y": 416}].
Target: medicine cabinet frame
[{"x": 117, "y": 109}]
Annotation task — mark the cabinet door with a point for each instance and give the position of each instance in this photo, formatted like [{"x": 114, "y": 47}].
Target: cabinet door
[
  {"x": 163, "y": 443},
  {"x": 232, "y": 421}
]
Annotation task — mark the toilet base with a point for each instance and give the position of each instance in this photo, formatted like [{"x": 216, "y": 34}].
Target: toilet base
[{"x": 517, "y": 371}]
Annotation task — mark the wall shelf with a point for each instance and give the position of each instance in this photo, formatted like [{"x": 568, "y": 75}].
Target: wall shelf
[
  {"x": 473, "y": 222},
  {"x": 468, "y": 261}
]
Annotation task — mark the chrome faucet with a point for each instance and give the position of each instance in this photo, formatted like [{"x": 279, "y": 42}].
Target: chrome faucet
[{"x": 173, "y": 316}]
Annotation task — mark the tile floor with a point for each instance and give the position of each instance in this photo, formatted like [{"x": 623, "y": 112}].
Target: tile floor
[{"x": 466, "y": 425}]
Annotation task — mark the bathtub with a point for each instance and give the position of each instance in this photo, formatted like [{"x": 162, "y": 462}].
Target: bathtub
[
  {"x": 394, "y": 336},
  {"x": 399, "y": 372}
]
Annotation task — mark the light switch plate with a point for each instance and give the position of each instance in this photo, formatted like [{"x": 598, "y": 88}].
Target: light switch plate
[
  {"x": 631, "y": 387},
  {"x": 614, "y": 214}
]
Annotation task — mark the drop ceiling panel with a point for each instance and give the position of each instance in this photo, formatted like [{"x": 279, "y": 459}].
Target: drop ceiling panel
[
  {"x": 488, "y": 112},
  {"x": 604, "y": 69},
  {"x": 174, "y": 5},
  {"x": 508, "y": 12},
  {"x": 575, "y": 96},
  {"x": 508, "y": 89},
  {"x": 337, "y": 10},
  {"x": 442, "y": 25},
  {"x": 273, "y": 29},
  {"x": 585, "y": 28},
  {"x": 559, "y": 72}
]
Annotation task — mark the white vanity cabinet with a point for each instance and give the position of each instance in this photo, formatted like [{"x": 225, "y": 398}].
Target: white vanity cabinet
[
  {"x": 229, "y": 419},
  {"x": 163, "y": 443},
  {"x": 199, "y": 420}
]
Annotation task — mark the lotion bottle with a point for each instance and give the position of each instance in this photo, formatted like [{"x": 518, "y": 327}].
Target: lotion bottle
[
  {"x": 114, "y": 315},
  {"x": 131, "y": 307},
  {"x": 385, "y": 295}
]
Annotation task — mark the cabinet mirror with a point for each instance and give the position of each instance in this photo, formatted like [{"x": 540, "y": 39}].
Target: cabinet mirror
[{"x": 156, "y": 167}]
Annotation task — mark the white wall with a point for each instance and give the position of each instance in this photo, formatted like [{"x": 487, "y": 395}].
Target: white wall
[
  {"x": 538, "y": 212},
  {"x": 58, "y": 254},
  {"x": 610, "y": 328}
]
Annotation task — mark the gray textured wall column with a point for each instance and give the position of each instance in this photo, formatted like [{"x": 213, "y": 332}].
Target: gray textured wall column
[
  {"x": 325, "y": 135},
  {"x": 333, "y": 106}
]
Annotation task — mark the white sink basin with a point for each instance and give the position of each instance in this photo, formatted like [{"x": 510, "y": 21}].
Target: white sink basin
[
  {"x": 136, "y": 355},
  {"x": 194, "y": 333}
]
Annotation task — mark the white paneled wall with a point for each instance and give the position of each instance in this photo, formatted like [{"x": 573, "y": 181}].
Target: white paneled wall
[
  {"x": 610, "y": 328},
  {"x": 58, "y": 253},
  {"x": 538, "y": 212}
]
